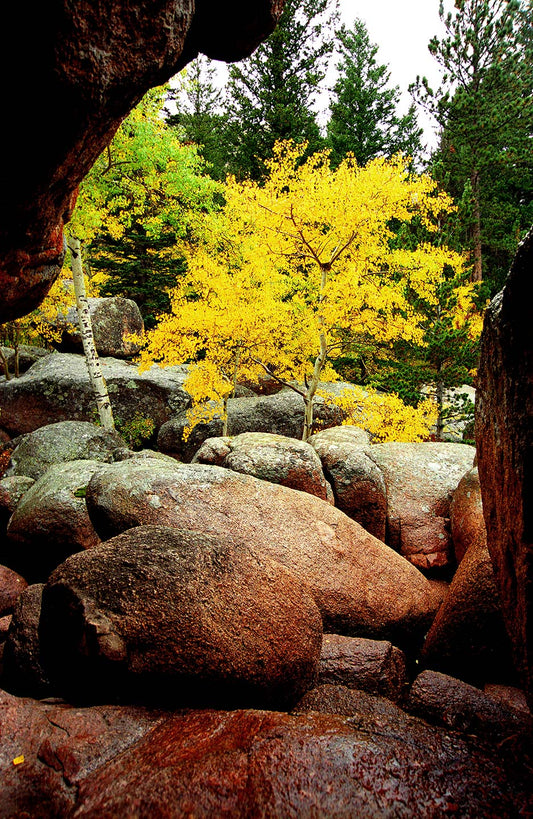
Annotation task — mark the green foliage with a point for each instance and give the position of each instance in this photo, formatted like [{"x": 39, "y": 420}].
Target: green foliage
[
  {"x": 485, "y": 110},
  {"x": 270, "y": 95},
  {"x": 363, "y": 110},
  {"x": 136, "y": 431}
]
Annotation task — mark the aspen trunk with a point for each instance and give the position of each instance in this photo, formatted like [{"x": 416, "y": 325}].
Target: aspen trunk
[
  {"x": 477, "y": 272},
  {"x": 320, "y": 361},
  {"x": 91, "y": 356},
  {"x": 3, "y": 361}
]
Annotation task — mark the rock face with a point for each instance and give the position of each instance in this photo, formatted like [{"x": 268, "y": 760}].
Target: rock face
[
  {"x": 51, "y": 521},
  {"x": 362, "y": 587},
  {"x": 63, "y": 442},
  {"x": 375, "y": 666},
  {"x": 466, "y": 514},
  {"x": 270, "y": 457},
  {"x": 467, "y": 638},
  {"x": 420, "y": 481},
  {"x": 58, "y": 389},
  {"x": 117, "y": 761},
  {"x": 279, "y": 414},
  {"x": 504, "y": 435},
  {"x": 88, "y": 66},
  {"x": 158, "y": 614},
  {"x": 461, "y": 707},
  {"x": 358, "y": 484},
  {"x": 11, "y": 491},
  {"x": 11, "y": 587},
  {"x": 23, "y": 673},
  {"x": 113, "y": 320}
]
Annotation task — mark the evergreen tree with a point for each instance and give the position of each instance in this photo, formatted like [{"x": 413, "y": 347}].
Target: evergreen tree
[
  {"x": 485, "y": 110},
  {"x": 363, "y": 111},
  {"x": 198, "y": 118},
  {"x": 271, "y": 94}
]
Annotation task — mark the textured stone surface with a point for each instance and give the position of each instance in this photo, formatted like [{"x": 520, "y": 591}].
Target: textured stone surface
[
  {"x": 466, "y": 514},
  {"x": 12, "y": 489},
  {"x": 51, "y": 521},
  {"x": 273, "y": 458},
  {"x": 11, "y": 587},
  {"x": 113, "y": 320},
  {"x": 88, "y": 65},
  {"x": 163, "y": 615},
  {"x": 112, "y": 761},
  {"x": 504, "y": 435},
  {"x": 447, "y": 701},
  {"x": 361, "y": 586},
  {"x": 420, "y": 481},
  {"x": 23, "y": 673},
  {"x": 58, "y": 389},
  {"x": 280, "y": 414},
  {"x": 28, "y": 355},
  {"x": 467, "y": 638},
  {"x": 375, "y": 666},
  {"x": 358, "y": 484},
  {"x": 62, "y": 442}
]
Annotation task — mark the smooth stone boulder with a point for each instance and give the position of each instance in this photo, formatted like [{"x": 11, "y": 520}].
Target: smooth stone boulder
[
  {"x": 421, "y": 479},
  {"x": 358, "y": 484},
  {"x": 467, "y": 638},
  {"x": 279, "y": 414},
  {"x": 23, "y": 673},
  {"x": 466, "y": 514},
  {"x": 258, "y": 764},
  {"x": 504, "y": 415},
  {"x": 269, "y": 457},
  {"x": 374, "y": 666},
  {"x": 162, "y": 615},
  {"x": 62, "y": 442},
  {"x": 333, "y": 698},
  {"x": 12, "y": 489},
  {"x": 457, "y": 705},
  {"x": 11, "y": 587},
  {"x": 361, "y": 586},
  {"x": 58, "y": 389},
  {"x": 113, "y": 320},
  {"x": 51, "y": 521}
]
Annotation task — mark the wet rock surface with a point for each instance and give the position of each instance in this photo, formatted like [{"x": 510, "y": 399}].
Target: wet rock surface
[
  {"x": 361, "y": 586},
  {"x": 504, "y": 435},
  {"x": 122, "y": 761},
  {"x": 158, "y": 614}
]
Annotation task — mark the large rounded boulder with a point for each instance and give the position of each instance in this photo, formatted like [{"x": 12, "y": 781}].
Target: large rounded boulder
[
  {"x": 361, "y": 586},
  {"x": 273, "y": 458},
  {"x": 160, "y": 614},
  {"x": 113, "y": 321},
  {"x": 466, "y": 514}
]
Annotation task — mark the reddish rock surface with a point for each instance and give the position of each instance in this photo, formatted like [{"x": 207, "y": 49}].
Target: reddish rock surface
[
  {"x": 11, "y": 587},
  {"x": 111, "y": 761},
  {"x": 420, "y": 481},
  {"x": 504, "y": 435},
  {"x": 23, "y": 673},
  {"x": 375, "y": 666},
  {"x": 158, "y": 614},
  {"x": 87, "y": 66},
  {"x": 466, "y": 514},
  {"x": 361, "y": 586},
  {"x": 467, "y": 638},
  {"x": 273, "y": 458},
  {"x": 462, "y": 707}
]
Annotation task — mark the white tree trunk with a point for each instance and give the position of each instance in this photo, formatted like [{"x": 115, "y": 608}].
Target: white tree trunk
[{"x": 86, "y": 330}]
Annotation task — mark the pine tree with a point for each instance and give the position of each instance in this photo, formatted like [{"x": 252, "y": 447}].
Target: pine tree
[
  {"x": 198, "y": 118},
  {"x": 363, "y": 111},
  {"x": 485, "y": 110},
  {"x": 271, "y": 94}
]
